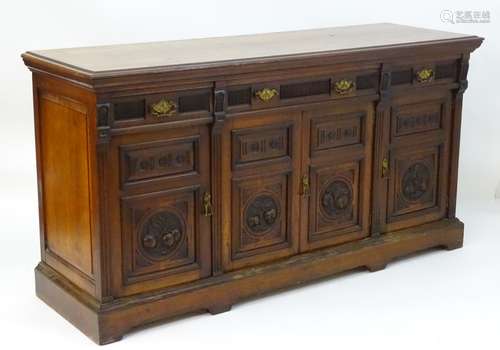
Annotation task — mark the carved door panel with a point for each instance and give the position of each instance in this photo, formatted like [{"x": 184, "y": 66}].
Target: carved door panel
[
  {"x": 417, "y": 163},
  {"x": 159, "y": 225},
  {"x": 259, "y": 189},
  {"x": 336, "y": 182}
]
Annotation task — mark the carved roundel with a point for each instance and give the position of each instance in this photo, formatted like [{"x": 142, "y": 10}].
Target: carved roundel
[
  {"x": 160, "y": 235},
  {"x": 336, "y": 199},
  {"x": 416, "y": 181},
  {"x": 261, "y": 214}
]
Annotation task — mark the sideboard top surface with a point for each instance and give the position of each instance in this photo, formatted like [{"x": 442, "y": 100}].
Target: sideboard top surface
[{"x": 245, "y": 49}]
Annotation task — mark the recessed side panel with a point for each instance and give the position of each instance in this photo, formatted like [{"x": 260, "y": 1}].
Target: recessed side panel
[{"x": 65, "y": 183}]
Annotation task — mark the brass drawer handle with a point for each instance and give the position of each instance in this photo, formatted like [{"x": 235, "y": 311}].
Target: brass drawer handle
[
  {"x": 425, "y": 75},
  {"x": 207, "y": 204},
  {"x": 266, "y": 94},
  {"x": 306, "y": 186},
  {"x": 344, "y": 87},
  {"x": 163, "y": 108}
]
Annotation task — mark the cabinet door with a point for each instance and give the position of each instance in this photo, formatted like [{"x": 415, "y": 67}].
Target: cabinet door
[
  {"x": 336, "y": 179},
  {"x": 259, "y": 188},
  {"x": 160, "y": 234},
  {"x": 417, "y": 163}
]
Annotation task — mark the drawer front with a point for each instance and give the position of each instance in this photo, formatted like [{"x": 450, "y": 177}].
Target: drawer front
[
  {"x": 168, "y": 107},
  {"x": 418, "y": 160},
  {"x": 259, "y": 189},
  {"x": 161, "y": 180},
  {"x": 424, "y": 73},
  {"x": 342, "y": 85},
  {"x": 336, "y": 179}
]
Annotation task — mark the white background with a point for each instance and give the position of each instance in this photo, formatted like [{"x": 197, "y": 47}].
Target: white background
[{"x": 434, "y": 300}]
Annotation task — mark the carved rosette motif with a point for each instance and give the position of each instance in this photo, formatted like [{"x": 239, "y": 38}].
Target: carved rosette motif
[
  {"x": 415, "y": 181},
  {"x": 161, "y": 235},
  {"x": 336, "y": 199},
  {"x": 261, "y": 214}
]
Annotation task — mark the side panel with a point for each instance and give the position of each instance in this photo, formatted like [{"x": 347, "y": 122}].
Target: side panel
[{"x": 64, "y": 133}]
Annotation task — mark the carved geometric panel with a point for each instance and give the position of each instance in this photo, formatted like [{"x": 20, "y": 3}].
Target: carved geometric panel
[
  {"x": 158, "y": 159},
  {"x": 159, "y": 235},
  {"x": 260, "y": 215},
  {"x": 336, "y": 131},
  {"x": 258, "y": 144},
  {"x": 334, "y": 202},
  {"x": 415, "y": 118},
  {"x": 414, "y": 181}
]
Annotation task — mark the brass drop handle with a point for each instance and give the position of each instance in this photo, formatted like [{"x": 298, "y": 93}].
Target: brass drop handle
[
  {"x": 207, "y": 204},
  {"x": 425, "y": 75},
  {"x": 305, "y": 185},
  {"x": 266, "y": 94},
  {"x": 163, "y": 108},
  {"x": 344, "y": 87},
  {"x": 385, "y": 167}
]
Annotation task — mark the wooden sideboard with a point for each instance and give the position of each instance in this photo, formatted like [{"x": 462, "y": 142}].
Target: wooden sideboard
[{"x": 183, "y": 176}]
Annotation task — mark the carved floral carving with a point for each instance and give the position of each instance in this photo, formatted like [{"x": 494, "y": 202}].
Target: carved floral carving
[
  {"x": 261, "y": 214},
  {"x": 336, "y": 199},
  {"x": 160, "y": 235},
  {"x": 416, "y": 181}
]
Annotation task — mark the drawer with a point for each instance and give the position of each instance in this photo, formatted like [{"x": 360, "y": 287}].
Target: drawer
[
  {"x": 282, "y": 93},
  {"x": 424, "y": 73},
  {"x": 158, "y": 108}
]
